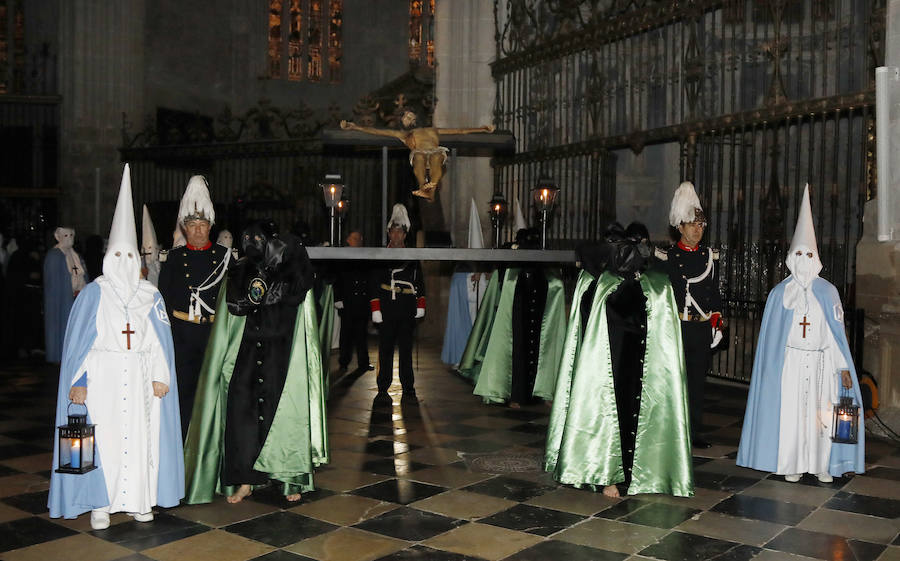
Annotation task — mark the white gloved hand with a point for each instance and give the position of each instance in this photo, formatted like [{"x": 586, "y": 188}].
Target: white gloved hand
[
  {"x": 420, "y": 313},
  {"x": 339, "y": 305},
  {"x": 716, "y": 338},
  {"x": 376, "y": 316}
]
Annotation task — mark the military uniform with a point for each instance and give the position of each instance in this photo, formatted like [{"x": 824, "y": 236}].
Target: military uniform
[
  {"x": 695, "y": 282},
  {"x": 189, "y": 281},
  {"x": 397, "y": 291},
  {"x": 352, "y": 288},
  {"x": 528, "y": 313}
]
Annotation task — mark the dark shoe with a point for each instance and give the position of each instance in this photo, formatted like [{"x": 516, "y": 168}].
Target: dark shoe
[
  {"x": 382, "y": 399},
  {"x": 409, "y": 397},
  {"x": 700, "y": 443},
  {"x": 368, "y": 368}
]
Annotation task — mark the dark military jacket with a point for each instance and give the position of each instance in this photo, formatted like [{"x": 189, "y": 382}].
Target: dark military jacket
[
  {"x": 408, "y": 287},
  {"x": 681, "y": 265},
  {"x": 182, "y": 270}
]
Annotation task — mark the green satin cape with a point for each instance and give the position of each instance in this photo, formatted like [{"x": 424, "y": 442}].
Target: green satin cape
[
  {"x": 495, "y": 379},
  {"x": 297, "y": 442},
  {"x": 473, "y": 355},
  {"x": 583, "y": 444}
]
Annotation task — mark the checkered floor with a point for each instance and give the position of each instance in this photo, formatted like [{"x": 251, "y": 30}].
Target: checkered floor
[{"x": 453, "y": 479}]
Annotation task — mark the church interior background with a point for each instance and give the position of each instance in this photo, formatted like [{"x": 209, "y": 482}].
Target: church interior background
[{"x": 615, "y": 101}]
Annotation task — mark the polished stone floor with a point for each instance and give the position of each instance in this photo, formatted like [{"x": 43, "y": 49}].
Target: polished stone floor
[{"x": 453, "y": 479}]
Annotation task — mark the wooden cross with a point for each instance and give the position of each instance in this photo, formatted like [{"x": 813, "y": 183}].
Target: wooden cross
[
  {"x": 127, "y": 333},
  {"x": 75, "y": 269},
  {"x": 805, "y": 324}
]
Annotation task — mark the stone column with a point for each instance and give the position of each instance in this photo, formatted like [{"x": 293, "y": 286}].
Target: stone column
[
  {"x": 464, "y": 47},
  {"x": 101, "y": 76},
  {"x": 878, "y": 276}
]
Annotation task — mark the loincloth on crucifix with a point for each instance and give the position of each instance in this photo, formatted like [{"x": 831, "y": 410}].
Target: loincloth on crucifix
[{"x": 428, "y": 152}]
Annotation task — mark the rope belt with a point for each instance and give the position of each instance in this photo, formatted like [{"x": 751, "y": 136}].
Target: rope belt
[
  {"x": 184, "y": 316},
  {"x": 691, "y": 316}
]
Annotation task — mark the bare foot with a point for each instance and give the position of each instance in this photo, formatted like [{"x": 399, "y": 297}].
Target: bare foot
[
  {"x": 242, "y": 492},
  {"x": 293, "y": 498},
  {"x": 611, "y": 491},
  {"x": 514, "y": 405}
]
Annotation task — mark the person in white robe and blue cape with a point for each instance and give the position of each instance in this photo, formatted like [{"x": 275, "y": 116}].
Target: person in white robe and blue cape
[
  {"x": 64, "y": 277},
  {"x": 118, "y": 362},
  {"x": 802, "y": 366}
]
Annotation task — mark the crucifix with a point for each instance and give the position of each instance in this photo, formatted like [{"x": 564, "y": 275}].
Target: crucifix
[
  {"x": 805, "y": 324},
  {"x": 74, "y": 269},
  {"x": 128, "y": 332}
]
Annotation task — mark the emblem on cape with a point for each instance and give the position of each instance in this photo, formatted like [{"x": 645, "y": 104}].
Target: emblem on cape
[{"x": 257, "y": 290}]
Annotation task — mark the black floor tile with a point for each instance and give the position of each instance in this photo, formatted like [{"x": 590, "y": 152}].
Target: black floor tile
[
  {"x": 864, "y": 504},
  {"x": 11, "y": 451},
  {"x": 660, "y": 515},
  {"x": 399, "y": 491},
  {"x": 279, "y": 555},
  {"x": 388, "y": 447},
  {"x": 392, "y": 467},
  {"x": 740, "y": 553},
  {"x": 679, "y": 546},
  {"x": 722, "y": 481},
  {"x": 35, "y": 435},
  {"x": 896, "y": 540},
  {"x": 35, "y": 503},
  {"x": 475, "y": 445},
  {"x": 139, "y": 536},
  {"x": 699, "y": 460},
  {"x": 823, "y": 546},
  {"x": 273, "y": 495},
  {"x": 4, "y": 471},
  {"x": 745, "y": 506},
  {"x": 522, "y": 414},
  {"x": 135, "y": 557},
  {"x": 422, "y": 553},
  {"x": 510, "y": 488},
  {"x": 280, "y": 528},
  {"x": 30, "y": 531},
  {"x": 884, "y": 473},
  {"x": 622, "y": 508},
  {"x": 558, "y": 550},
  {"x": 534, "y": 520},
  {"x": 381, "y": 418},
  {"x": 811, "y": 480},
  {"x": 459, "y": 429},
  {"x": 530, "y": 428},
  {"x": 410, "y": 524}
]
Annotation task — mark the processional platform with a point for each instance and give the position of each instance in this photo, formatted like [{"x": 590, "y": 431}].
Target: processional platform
[{"x": 442, "y": 254}]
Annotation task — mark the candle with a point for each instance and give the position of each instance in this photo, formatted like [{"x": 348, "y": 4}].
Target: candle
[
  {"x": 843, "y": 431},
  {"x": 76, "y": 452}
]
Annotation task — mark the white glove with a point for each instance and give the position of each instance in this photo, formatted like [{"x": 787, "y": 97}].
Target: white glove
[
  {"x": 339, "y": 305},
  {"x": 716, "y": 338},
  {"x": 420, "y": 313},
  {"x": 376, "y": 316}
]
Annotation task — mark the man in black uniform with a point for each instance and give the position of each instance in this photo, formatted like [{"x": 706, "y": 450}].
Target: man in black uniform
[
  {"x": 189, "y": 280},
  {"x": 397, "y": 301},
  {"x": 692, "y": 269},
  {"x": 351, "y": 298}
]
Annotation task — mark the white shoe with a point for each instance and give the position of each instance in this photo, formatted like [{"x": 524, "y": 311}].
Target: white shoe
[
  {"x": 99, "y": 520},
  {"x": 824, "y": 477},
  {"x": 142, "y": 517},
  {"x": 793, "y": 478}
]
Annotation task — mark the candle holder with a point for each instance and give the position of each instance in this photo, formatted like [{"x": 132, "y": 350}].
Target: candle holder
[
  {"x": 76, "y": 444},
  {"x": 332, "y": 189},
  {"x": 846, "y": 419},
  {"x": 342, "y": 208},
  {"x": 544, "y": 196},
  {"x": 498, "y": 211}
]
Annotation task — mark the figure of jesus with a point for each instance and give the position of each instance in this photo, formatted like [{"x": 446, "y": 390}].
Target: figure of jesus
[{"x": 426, "y": 156}]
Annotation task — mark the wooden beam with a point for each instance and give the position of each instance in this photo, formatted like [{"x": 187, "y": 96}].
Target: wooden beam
[{"x": 442, "y": 254}]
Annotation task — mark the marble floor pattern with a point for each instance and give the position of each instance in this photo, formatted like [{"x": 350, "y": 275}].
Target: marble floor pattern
[{"x": 451, "y": 479}]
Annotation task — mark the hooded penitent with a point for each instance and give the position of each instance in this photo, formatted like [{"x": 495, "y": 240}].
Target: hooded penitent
[
  {"x": 118, "y": 343},
  {"x": 150, "y": 248},
  {"x": 519, "y": 222},
  {"x": 64, "y": 278},
  {"x": 788, "y": 422}
]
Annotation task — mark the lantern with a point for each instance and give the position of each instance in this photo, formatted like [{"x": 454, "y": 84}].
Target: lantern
[
  {"x": 544, "y": 196},
  {"x": 331, "y": 192},
  {"x": 342, "y": 208},
  {"x": 76, "y": 444},
  {"x": 846, "y": 420},
  {"x": 499, "y": 208}
]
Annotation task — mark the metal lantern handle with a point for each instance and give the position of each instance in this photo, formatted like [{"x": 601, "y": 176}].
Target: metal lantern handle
[
  {"x": 71, "y": 403},
  {"x": 847, "y": 393}
]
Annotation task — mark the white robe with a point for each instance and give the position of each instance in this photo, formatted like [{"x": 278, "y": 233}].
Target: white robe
[
  {"x": 121, "y": 401},
  {"x": 810, "y": 381}
]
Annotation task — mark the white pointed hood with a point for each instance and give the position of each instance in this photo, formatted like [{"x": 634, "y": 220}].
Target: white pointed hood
[
  {"x": 122, "y": 264},
  {"x": 476, "y": 236},
  {"x": 685, "y": 207},
  {"x": 149, "y": 245},
  {"x": 804, "y": 267},
  {"x": 196, "y": 203},
  {"x": 519, "y": 222}
]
